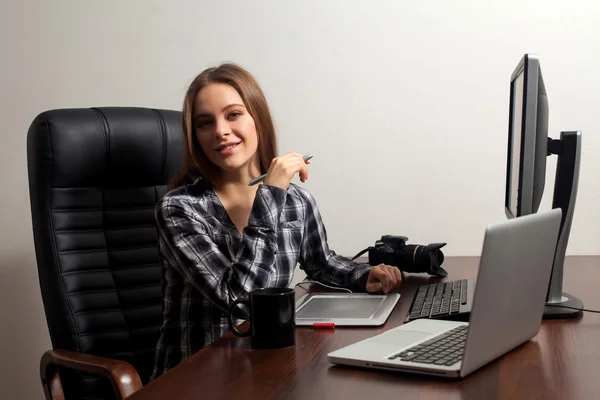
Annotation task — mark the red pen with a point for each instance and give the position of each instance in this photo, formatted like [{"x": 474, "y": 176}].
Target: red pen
[{"x": 330, "y": 325}]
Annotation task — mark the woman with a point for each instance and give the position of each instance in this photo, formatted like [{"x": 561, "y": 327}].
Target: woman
[{"x": 221, "y": 238}]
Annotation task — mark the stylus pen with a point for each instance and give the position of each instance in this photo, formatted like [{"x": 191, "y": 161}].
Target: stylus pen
[
  {"x": 327, "y": 325},
  {"x": 262, "y": 177}
]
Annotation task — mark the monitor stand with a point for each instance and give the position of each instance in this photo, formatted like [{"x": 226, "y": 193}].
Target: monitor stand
[{"x": 568, "y": 150}]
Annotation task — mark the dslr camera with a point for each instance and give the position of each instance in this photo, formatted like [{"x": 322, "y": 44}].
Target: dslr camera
[{"x": 393, "y": 250}]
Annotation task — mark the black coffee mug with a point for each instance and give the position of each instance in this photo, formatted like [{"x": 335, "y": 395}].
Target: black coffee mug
[{"x": 272, "y": 318}]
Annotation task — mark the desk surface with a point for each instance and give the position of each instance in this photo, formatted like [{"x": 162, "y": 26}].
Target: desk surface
[{"x": 561, "y": 362}]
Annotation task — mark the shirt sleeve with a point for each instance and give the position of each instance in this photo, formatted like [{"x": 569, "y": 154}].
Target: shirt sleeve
[
  {"x": 320, "y": 262},
  {"x": 198, "y": 258}
]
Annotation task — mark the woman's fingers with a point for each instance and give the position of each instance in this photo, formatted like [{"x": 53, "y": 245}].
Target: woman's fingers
[
  {"x": 303, "y": 170},
  {"x": 398, "y": 275},
  {"x": 378, "y": 274},
  {"x": 283, "y": 168},
  {"x": 383, "y": 278}
]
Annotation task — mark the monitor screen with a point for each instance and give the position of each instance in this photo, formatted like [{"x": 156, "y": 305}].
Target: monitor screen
[
  {"x": 527, "y": 139},
  {"x": 516, "y": 130}
]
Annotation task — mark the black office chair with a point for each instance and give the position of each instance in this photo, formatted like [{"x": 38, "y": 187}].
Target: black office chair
[{"x": 95, "y": 176}]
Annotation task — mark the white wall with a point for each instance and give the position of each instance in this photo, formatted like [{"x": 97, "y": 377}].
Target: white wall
[{"x": 404, "y": 105}]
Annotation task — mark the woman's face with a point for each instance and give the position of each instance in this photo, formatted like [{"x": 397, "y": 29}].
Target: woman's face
[{"x": 224, "y": 127}]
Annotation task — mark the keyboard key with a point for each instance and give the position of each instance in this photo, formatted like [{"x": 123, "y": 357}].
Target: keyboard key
[
  {"x": 463, "y": 292},
  {"x": 409, "y": 358},
  {"x": 438, "y": 299}
]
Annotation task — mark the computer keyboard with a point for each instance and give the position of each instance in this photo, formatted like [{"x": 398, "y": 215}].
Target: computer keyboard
[
  {"x": 445, "y": 300},
  {"x": 445, "y": 349}
]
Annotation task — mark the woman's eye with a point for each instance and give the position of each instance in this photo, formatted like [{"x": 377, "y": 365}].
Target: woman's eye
[
  {"x": 234, "y": 114},
  {"x": 202, "y": 124}
]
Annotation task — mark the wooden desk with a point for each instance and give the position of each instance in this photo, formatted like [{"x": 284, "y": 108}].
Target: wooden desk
[{"x": 561, "y": 362}]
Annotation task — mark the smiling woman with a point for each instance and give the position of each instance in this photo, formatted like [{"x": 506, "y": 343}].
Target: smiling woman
[
  {"x": 220, "y": 238},
  {"x": 226, "y": 131},
  {"x": 214, "y": 92}
]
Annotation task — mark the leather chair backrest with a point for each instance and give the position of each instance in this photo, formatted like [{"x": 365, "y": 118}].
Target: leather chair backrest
[{"x": 95, "y": 176}]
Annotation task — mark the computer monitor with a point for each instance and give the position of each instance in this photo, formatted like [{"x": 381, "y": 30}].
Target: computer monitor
[
  {"x": 528, "y": 147},
  {"x": 527, "y": 139}
]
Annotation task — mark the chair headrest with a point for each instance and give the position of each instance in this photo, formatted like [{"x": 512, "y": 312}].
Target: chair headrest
[{"x": 106, "y": 146}]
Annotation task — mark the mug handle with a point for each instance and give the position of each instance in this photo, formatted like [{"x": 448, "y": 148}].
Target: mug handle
[{"x": 229, "y": 317}]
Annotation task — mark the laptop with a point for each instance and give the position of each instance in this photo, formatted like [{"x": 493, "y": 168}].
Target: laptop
[{"x": 508, "y": 305}]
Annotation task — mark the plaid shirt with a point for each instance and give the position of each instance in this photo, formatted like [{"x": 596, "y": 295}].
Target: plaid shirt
[{"x": 207, "y": 263}]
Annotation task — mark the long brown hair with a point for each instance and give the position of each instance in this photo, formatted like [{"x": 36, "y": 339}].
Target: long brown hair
[{"x": 195, "y": 160}]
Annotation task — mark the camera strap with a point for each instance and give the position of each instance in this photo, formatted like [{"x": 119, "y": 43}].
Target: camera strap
[{"x": 363, "y": 252}]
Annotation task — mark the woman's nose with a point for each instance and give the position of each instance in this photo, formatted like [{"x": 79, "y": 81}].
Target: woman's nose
[{"x": 222, "y": 128}]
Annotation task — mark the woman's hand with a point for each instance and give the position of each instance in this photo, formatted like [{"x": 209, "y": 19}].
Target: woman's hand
[
  {"x": 283, "y": 168},
  {"x": 383, "y": 278}
]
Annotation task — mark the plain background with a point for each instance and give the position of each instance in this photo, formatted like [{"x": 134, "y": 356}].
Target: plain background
[{"x": 403, "y": 104}]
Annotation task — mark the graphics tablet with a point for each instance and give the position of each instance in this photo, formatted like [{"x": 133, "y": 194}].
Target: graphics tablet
[{"x": 349, "y": 309}]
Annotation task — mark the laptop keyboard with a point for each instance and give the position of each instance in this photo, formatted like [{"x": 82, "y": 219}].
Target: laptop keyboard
[
  {"x": 445, "y": 349},
  {"x": 438, "y": 299}
]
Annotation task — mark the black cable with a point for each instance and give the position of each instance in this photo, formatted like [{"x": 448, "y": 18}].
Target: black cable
[
  {"x": 322, "y": 284},
  {"x": 572, "y": 308},
  {"x": 362, "y": 252}
]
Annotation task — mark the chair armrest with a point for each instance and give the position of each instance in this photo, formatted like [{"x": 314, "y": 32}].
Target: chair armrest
[{"x": 122, "y": 375}]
